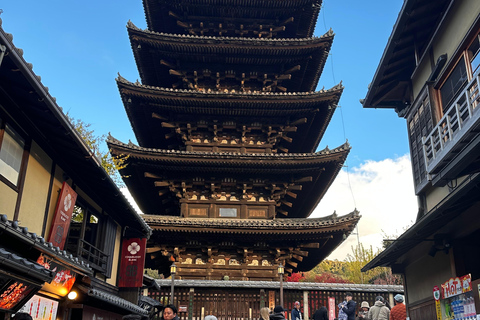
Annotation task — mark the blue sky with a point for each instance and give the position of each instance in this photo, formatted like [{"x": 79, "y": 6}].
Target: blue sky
[{"x": 78, "y": 48}]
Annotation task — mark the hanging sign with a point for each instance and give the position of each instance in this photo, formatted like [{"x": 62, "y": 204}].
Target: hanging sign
[
  {"x": 436, "y": 293},
  {"x": 64, "y": 277},
  {"x": 438, "y": 309},
  {"x": 132, "y": 262},
  {"x": 456, "y": 286},
  {"x": 331, "y": 308},
  {"x": 63, "y": 216},
  {"x": 41, "y": 308},
  {"x": 15, "y": 292}
]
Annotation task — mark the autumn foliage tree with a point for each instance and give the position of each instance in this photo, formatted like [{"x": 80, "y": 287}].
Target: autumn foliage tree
[{"x": 348, "y": 271}]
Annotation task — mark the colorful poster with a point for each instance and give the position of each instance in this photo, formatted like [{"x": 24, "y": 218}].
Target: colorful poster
[
  {"x": 41, "y": 308},
  {"x": 331, "y": 308},
  {"x": 63, "y": 216},
  {"x": 132, "y": 262},
  {"x": 64, "y": 277}
]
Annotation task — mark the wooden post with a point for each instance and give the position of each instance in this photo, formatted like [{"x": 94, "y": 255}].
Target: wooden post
[{"x": 305, "y": 305}]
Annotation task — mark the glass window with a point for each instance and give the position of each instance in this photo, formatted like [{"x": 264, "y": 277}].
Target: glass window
[
  {"x": 11, "y": 153},
  {"x": 454, "y": 84},
  {"x": 474, "y": 54}
]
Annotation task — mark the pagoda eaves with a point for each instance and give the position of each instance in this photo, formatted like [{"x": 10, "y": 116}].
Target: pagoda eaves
[
  {"x": 246, "y": 18},
  {"x": 200, "y": 62},
  {"x": 199, "y": 184},
  {"x": 299, "y": 119},
  {"x": 300, "y": 243}
]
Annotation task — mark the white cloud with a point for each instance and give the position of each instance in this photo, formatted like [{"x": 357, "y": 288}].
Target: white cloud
[{"x": 382, "y": 192}]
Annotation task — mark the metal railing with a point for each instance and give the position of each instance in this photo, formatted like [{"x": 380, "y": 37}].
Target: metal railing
[
  {"x": 96, "y": 257},
  {"x": 455, "y": 123}
]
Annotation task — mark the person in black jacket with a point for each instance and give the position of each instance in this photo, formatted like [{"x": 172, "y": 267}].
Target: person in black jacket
[
  {"x": 321, "y": 314},
  {"x": 350, "y": 307},
  {"x": 278, "y": 313}
]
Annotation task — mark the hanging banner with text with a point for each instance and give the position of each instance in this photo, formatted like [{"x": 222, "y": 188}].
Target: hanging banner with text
[
  {"x": 132, "y": 261},
  {"x": 63, "y": 216},
  {"x": 331, "y": 308},
  {"x": 64, "y": 277}
]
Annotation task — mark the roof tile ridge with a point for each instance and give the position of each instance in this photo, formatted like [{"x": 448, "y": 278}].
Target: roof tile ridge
[
  {"x": 328, "y": 34},
  {"x": 344, "y": 147},
  {"x": 337, "y": 87},
  {"x": 131, "y": 145},
  {"x": 15, "y": 225}
]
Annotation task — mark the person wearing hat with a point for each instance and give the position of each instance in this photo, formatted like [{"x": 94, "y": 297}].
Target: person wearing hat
[
  {"x": 278, "y": 313},
  {"x": 349, "y": 307},
  {"x": 399, "y": 311},
  {"x": 379, "y": 311},
  {"x": 363, "y": 312},
  {"x": 296, "y": 313}
]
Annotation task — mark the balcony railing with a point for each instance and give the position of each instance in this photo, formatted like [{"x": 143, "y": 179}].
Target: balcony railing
[
  {"x": 96, "y": 257},
  {"x": 455, "y": 127}
]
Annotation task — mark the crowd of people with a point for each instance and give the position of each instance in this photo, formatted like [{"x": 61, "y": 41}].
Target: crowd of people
[{"x": 347, "y": 310}]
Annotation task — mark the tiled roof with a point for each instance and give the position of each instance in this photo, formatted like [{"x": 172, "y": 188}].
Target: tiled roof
[
  {"x": 13, "y": 228},
  {"x": 230, "y": 155},
  {"x": 243, "y": 95},
  {"x": 116, "y": 301},
  {"x": 253, "y": 224},
  {"x": 215, "y": 41},
  {"x": 286, "y": 285},
  {"x": 26, "y": 266}
]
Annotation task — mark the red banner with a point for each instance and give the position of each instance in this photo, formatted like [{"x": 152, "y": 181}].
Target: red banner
[
  {"x": 63, "y": 216},
  {"x": 132, "y": 262}
]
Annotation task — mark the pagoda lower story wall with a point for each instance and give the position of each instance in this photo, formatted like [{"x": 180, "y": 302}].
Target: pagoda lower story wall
[
  {"x": 229, "y": 301},
  {"x": 210, "y": 271}
]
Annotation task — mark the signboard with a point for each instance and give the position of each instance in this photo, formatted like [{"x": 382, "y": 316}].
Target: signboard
[
  {"x": 182, "y": 308},
  {"x": 13, "y": 293},
  {"x": 41, "y": 308},
  {"x": 436, "y": 293},
  {"x": 64, "y": 277},
  {"x": 456, "y": 286},
  {"x": 438, "y": 309},
  {"x": 331, "y": 308},
  {"x": 132, "y": 261},
  {"x": 63, "y": 216},
  {"x": 271, "y": 299}
]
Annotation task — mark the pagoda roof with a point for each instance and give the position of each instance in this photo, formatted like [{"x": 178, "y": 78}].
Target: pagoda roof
[
  {"x": 225, "y": 53},
  {"x": 142, "y": 101},
  {"x": 322, "y": 167},
  {"x": 329, "y": 232},
  {"x": 304, "y": 13}
]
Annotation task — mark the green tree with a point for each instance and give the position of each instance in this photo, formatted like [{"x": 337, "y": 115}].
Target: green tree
[{"x": 94, "y": 142}]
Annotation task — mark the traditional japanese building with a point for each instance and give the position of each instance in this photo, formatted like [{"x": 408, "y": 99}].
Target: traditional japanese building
[
  {"x": 228, "y": 122},
  {"x": 430, "y": 75}
]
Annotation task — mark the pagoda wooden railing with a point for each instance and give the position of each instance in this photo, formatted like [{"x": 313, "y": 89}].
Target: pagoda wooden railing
[{"x": 459, "y": 120}]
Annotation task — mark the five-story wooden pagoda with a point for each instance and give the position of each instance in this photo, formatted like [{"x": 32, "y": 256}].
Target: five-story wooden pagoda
[{"x": 227, "y": 122}]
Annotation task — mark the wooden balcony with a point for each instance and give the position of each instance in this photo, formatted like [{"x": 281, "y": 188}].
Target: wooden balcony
[
  {"x": 449, "y": 147},
  {"x": 95, "y": 257}
]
